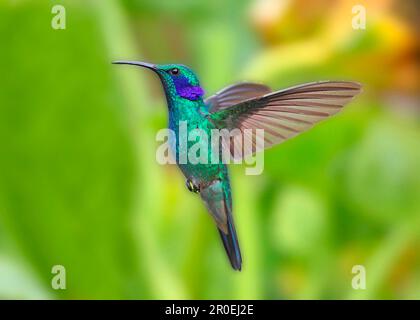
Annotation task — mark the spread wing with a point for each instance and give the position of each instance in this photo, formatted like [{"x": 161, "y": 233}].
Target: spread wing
[
  {"x": 235, "y": 94},
  {"x": 282, "y": 114}
]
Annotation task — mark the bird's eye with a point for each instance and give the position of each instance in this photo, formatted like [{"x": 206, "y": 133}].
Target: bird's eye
[{"x": 174, "y": 71}]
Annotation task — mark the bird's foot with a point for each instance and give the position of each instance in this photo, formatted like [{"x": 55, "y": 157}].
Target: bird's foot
[{"x": 191, "y": 186}]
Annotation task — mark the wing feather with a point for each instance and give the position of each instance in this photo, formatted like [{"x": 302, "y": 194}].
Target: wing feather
[
  {"x": 282, "y": 114},
  {"x": 235, "y": 94}
]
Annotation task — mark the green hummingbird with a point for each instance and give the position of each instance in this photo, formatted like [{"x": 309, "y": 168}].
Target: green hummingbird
[{"x": 244, "y": 106}]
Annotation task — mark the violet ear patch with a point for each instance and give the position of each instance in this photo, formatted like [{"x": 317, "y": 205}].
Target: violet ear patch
[
  {"x": 191, "y": 93},
  {"x": 186, "y": 90}
]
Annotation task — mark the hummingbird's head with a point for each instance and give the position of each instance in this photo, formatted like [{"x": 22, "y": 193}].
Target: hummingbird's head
[{"x": 177, "y": 79}]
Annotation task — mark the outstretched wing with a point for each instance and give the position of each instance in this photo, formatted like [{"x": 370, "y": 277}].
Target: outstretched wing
[
  {"x": 235, "y": 94},
  {"x": 283, "y": 114}
]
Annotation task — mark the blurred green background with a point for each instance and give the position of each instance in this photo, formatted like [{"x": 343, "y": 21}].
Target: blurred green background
[{"x": 80, "y": 186}]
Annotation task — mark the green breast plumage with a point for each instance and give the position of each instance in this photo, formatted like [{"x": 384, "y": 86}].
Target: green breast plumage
[{"x": 193, "y": 136}]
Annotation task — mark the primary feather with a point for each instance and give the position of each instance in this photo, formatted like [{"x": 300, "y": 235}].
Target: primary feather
[{"x": 282, "y": 114}]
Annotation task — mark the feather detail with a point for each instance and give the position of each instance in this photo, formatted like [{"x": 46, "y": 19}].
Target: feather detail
[
  {"x": 286, "y": 113},
  {"x": 216, "y": 197},
  {"x": 235, "y": 94}
]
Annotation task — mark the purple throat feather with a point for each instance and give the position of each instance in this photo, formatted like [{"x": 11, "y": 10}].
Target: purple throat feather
[
  {"x": 186, "y": 90},
  {"x": 191, "y": 93}
]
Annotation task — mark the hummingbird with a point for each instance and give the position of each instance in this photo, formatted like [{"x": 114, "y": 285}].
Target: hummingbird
[{"x": 245, "y": 106}]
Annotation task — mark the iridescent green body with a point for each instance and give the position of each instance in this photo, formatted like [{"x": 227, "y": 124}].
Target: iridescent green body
[
  {"x": 192, "y": 114},
  {"x": 211, "y": 179}
]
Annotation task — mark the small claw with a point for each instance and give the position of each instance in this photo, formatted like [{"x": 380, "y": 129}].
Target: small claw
[{"x": 191, "y": 186}]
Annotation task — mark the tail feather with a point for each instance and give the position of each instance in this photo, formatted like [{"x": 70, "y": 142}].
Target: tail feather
[
  {"x": 230, "y": 242},
  {"x": 216, "y": 196}
]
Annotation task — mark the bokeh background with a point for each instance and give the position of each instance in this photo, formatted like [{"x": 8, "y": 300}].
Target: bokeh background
[{"x": 80, "y": 186}]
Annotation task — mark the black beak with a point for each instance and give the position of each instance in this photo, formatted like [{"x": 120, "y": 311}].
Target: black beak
[{"x": 137, "y": 63}]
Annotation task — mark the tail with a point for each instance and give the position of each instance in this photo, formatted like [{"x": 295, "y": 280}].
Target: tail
[
  {"x": 216, "y": 196},
  {"x": 230, "y": 242}
]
